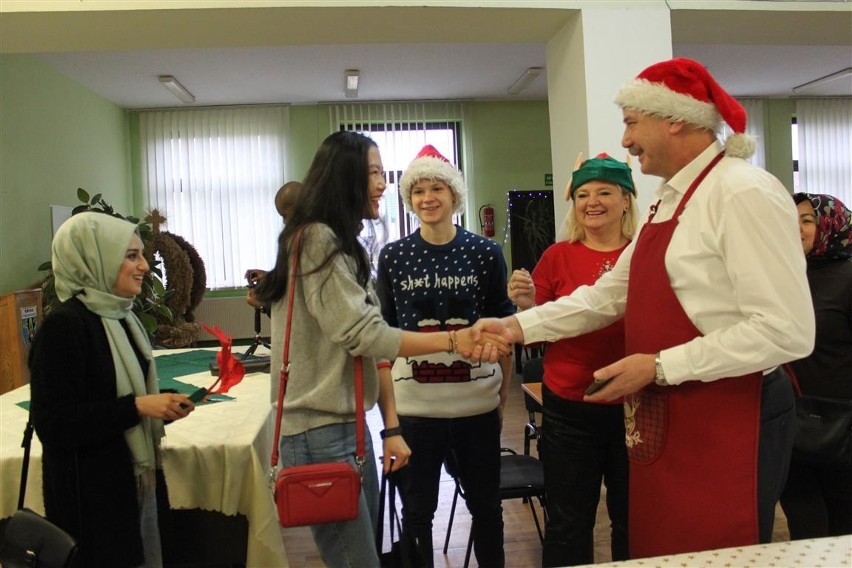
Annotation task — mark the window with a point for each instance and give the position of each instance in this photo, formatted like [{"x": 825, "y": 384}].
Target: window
[
  {"x": 213, "y": 173},
  {"x": 795, "y": 142},
  {"x": 401, "y": 131},
  {"x": 824, "y": 146}
]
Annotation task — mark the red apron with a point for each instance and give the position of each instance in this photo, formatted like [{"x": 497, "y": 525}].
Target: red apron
[{"x": 692, "y": 447}]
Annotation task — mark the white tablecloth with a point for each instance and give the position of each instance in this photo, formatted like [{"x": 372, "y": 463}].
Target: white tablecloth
[
  {"x": 833, "y": 552},
  {"x": 216, "y": 459}
]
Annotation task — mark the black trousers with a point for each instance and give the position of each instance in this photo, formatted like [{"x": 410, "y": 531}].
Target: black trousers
[
  {"x": 582, "y": 445},
  {"x": 777, "y": 431},
  {"x": 473, "y": 443}
]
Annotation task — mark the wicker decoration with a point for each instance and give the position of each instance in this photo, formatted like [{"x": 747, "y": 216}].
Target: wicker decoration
[
  {"x": 199, "y": 276},
  {"x": 183, "y": 334},
  {"x": 186, "y": 278},
  {"x": 179, "y": 272}
]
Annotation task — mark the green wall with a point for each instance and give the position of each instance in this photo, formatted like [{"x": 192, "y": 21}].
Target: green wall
[
  {"x": 55, "y": 136},
  {"x": 508, "y": 148}
]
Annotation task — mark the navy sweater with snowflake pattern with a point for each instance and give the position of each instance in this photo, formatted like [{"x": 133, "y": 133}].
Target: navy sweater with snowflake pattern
[{"x": 426, "y": 287}]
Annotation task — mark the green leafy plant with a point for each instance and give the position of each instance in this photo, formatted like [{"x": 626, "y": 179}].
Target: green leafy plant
[{"x": 150, "y": 305}]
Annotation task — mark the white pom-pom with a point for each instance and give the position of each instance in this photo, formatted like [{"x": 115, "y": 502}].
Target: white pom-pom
[{"x": 740, "y": 146}]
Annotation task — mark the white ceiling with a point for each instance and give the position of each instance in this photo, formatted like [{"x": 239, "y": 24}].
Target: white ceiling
[{"x": 289, "y": 55}]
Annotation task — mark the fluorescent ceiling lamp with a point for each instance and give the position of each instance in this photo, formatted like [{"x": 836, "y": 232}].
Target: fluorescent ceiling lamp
[
  {"x": 823, "y": 80},
  {"x": 177, "y": 89},
  {"x": 524, "y": 80},
  {"x": 350, "y": 82}
]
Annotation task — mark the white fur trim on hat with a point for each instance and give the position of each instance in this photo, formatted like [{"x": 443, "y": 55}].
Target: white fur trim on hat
[
  {"x": 428, "y": 167},
  {"x": 658, "y": 100}
]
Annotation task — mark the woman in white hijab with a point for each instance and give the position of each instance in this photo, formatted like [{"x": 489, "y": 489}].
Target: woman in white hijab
[{"x": 96, "y": 405}]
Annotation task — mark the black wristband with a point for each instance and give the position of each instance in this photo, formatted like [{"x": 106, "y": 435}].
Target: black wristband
[{"x": 389, "y": 432}]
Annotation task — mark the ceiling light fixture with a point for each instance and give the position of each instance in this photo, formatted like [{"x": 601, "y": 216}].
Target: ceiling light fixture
[
  {"x": 524, "y": 80},
  {"x": 823, "y": 80},
  {"x": 350, "y": 82},
  {"x": 177, "y": 89}
]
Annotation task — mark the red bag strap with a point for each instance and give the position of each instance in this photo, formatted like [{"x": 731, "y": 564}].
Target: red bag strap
[{"x": 360, "y": 419}]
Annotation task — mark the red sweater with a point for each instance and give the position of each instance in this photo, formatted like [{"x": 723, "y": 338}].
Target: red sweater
[{"x": 569, "y": 363}]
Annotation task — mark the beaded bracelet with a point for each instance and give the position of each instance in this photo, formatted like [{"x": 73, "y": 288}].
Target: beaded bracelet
[{"x": 454, "y": 342}]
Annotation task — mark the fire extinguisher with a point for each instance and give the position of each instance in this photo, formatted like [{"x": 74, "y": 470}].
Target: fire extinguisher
[{"x": 486, "y": 220}]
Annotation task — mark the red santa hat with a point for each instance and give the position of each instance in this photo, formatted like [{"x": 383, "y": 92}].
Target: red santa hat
[
  {"x": 430, "y": 164},
  {"x": 683, "y": 90}
]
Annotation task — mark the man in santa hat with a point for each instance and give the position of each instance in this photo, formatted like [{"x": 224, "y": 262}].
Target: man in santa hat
[
  {"x": 714, "y": 297},
  {"x": 442, "y": 277}
]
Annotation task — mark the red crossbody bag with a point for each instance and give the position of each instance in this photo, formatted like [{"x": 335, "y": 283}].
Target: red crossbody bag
[{"x": 320, "y": 493}]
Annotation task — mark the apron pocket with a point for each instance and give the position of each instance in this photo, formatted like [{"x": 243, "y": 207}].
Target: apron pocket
[{"x": 646, "y": 417}]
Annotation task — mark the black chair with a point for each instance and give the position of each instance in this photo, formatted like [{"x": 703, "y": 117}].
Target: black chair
[
  {"x": 521, "y": 477},
  {"x": 533, "y": 373}
]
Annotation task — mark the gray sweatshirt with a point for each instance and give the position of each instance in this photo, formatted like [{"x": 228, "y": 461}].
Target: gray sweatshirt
[{"x": 334, "y": 319}]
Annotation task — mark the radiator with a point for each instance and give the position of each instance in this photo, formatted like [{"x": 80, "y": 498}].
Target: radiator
[{"x": 232, "y": 315}]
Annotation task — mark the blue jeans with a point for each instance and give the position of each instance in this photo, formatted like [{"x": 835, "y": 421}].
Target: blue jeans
[
  {"x": 582, "y": 444},
  {"x": 350, "y": 544},
  {"x": 473, "y": 443}
]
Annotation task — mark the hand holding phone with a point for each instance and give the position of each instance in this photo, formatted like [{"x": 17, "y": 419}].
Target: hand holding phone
[
  {"x": 196, "y": 396},
  {"x": 597, "y": 385}
]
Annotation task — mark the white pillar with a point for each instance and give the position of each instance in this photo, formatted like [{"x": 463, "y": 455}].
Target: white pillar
[{"x": 588, "y": 61}]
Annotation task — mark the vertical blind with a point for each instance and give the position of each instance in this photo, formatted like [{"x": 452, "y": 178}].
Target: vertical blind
[
  {"x": 401, "y": 130},
  {"x": 213, "y": 173},
  {"x": 754, "y": 128},
  {"x": 825, "y": 147}
]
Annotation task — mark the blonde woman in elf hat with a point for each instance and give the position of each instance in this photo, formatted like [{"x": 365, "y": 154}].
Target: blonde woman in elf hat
[
  {"x": 714, "y": 298},
  {"x": 817, "y": 499},
  {"x": 96, "y": 405},
  {"x": 583, "y": 442},
  {"x": 442, "y": 277}
]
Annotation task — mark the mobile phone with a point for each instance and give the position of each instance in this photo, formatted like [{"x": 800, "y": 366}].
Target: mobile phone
[
  {"x": 597, "y": 385},
  {"x": 196, "y": 396}
]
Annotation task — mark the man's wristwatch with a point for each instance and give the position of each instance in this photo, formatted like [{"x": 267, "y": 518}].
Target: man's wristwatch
[{"x": 659, "y": 374}]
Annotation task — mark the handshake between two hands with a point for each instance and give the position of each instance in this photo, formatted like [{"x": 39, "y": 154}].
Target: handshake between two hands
[{"x": 488, "y": 339}]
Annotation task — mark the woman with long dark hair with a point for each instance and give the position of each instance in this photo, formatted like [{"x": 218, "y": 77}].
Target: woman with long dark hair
[{"x": 335, "y": 317}]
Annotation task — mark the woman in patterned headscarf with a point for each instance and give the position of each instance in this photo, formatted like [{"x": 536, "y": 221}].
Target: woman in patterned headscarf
[
  {"x": 818, "y": 501},
  {"x": 96, "y": 405}
]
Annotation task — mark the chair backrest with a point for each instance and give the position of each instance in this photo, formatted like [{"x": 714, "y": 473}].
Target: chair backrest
[{"x": 533, "y": 373}]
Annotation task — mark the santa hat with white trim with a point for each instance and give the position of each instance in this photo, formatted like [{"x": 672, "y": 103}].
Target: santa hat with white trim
[
  {"x": 429, "y": 163},
  {"x": 683, "y": 90}
]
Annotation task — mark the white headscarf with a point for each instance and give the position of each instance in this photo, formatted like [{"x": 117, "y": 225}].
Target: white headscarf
[{"x": 87, "y": 254}]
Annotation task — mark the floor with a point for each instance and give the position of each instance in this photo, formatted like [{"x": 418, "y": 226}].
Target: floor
[{"x": 522, "y": 546}]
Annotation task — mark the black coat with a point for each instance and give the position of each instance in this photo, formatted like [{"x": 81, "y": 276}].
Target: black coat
[{"x": 89, "y": 485}]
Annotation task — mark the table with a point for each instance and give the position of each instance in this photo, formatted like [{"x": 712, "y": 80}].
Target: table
[
  {"x": 812, "y": 553},
  {"x": 534, "y": 390},
  {"x": 216, "y": 459}
]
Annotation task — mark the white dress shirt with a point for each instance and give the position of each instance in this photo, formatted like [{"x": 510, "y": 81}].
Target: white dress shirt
[{"x": 736, "y": 265}]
